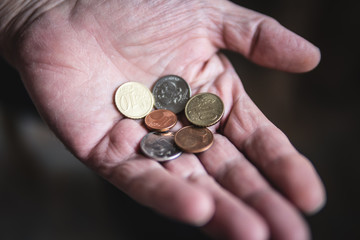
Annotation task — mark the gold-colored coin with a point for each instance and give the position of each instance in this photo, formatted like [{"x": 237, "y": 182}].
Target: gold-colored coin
[
  {"x": 204, "y": 109},
  {"x": 134, "y": 100}
]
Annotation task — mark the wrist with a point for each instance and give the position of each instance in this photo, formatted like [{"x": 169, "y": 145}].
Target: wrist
[{"x": 15, "y": 16}]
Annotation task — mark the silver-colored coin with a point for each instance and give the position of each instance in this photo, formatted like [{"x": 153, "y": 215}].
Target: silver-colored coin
[
  {"x": 160, "y": 146},
  {"x": 171, "y": 92}
]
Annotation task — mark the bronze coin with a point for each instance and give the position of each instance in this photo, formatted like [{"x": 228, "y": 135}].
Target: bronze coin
[
  {"x": 160, "y": 120},
  {"x": 194, "y": 139}
]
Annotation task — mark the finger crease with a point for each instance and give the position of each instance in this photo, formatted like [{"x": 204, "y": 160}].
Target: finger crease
[{"x": 255, "y": 38}]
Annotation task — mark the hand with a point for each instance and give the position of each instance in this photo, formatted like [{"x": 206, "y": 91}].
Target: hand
[{"x": 249, "y": 184}]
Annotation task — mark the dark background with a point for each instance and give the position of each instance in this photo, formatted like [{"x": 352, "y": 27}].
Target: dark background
[{"x": 47, "y": 194}]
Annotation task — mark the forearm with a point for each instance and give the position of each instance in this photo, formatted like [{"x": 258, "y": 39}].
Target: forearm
[{"x": 15, "y": 15}]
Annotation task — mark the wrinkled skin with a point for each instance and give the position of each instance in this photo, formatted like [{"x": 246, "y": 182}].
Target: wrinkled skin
[{"x": 250, "y": 184}]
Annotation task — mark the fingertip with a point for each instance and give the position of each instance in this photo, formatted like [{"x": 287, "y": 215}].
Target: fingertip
[
  {"x": 303, "y": 56},
  {"x": 258, "y": 231},
  {"x": 311, "y": 197},
  {"x": 316, "y": 201},
  {"x": 243, "y": 224},
  {"x": 311, "y": 202},
  {"x": 311, "y": 59},
  {"x": 301, "y": 233},
  {"x": 199, "y": 210},
  {"x": 193, "y": 207},
  {"x": 303, "y": 186},
  {"x": 284, "y": 220}
]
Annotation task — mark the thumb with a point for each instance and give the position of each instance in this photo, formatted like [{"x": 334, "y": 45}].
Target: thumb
[{"x": 264, "y": 41}]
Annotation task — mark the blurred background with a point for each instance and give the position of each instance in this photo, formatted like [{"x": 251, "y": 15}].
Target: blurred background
[{"x": 45, "y": 193}]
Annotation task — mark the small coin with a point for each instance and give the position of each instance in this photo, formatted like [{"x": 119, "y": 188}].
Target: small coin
[
  {"x": 160, "y": 120},
  {"x": 204, "y": 109},
  {"x": 160, "y": 146},
  {"x": 134, "y": 100},
  {"x": 172, "y": 93},
  {"x": 194, "y": 139}
]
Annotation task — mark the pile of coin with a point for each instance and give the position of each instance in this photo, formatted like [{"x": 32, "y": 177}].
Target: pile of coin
[{"x": 170, "y": 95}]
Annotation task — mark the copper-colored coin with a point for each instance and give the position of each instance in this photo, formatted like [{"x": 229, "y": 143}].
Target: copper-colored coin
[
  {"x": 194, "y": 139},
  {"x": 160, "y": 120}
]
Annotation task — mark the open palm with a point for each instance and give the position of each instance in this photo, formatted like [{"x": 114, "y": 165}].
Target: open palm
[{"x": 250, "y": 183}]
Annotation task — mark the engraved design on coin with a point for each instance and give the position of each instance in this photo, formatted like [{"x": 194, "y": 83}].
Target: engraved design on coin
[
  {"x": 160, "y": 146},
  {"x": 160, "y": 120},
  {"x": 134, "y": 100},
  {"x": 171, "y": 92},
  {"x": 194, "y": 139},
  {"x": 204, "y": 109}
]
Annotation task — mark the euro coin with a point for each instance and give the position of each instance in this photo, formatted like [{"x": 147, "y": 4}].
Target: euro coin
[
  {"x": 134, "y": 100},
  {"x": 204, "y": 109},
  {"x": 171, "y": 92},
  {"x": 194, "y": 139},
  {"x": 160, "y": 120},
  {"x": 160, "y": 146}
]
